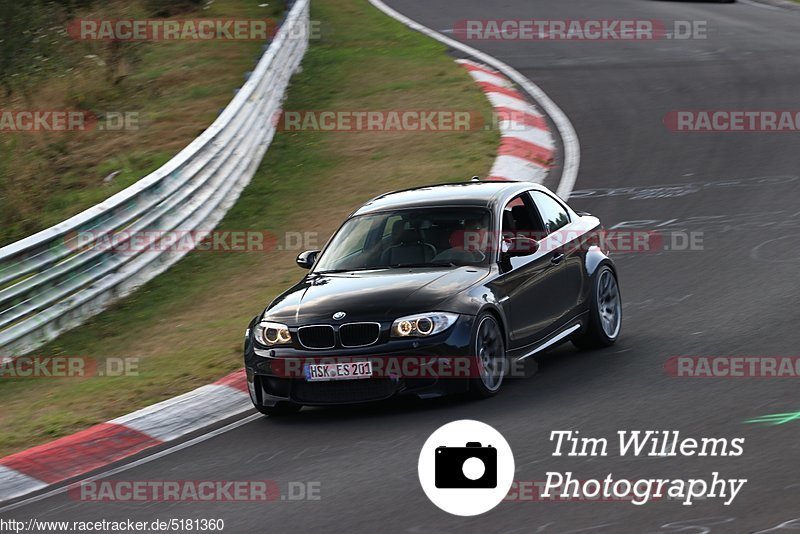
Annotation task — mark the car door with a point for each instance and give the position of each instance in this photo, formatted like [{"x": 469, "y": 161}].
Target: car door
[
  {"x": 527, "y": 284},
  {"x": 564, "y": 244}
]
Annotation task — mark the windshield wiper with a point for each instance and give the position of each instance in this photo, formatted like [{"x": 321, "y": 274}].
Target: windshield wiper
[
  {"x": 395, "y": 266},
  {"x": 429, "y": 264},
  {"x": 335, "y": 271}
]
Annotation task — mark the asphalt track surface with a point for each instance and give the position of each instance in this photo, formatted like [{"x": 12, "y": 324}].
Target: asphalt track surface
[{"x": 737, "y": 296}]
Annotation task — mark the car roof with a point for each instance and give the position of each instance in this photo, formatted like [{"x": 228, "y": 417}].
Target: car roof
[{"x": 479, "y": 194}]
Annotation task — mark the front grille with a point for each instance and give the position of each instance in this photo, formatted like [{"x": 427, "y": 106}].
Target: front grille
[
  {"x": 365, "y": 390},
  {"x": 316, "y": 337},
  {"x": 359, "y": 334}
]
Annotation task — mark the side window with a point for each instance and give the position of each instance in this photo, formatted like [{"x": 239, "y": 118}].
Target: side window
[
  {"x": 520, "y": 220},
  {"x": 553, "y": 213}
]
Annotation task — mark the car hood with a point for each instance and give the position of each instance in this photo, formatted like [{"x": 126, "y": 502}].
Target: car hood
[{"x": 372, "y": 295}]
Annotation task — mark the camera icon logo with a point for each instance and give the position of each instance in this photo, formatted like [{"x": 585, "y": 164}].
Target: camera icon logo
[
  {"x": 461, "y": 475},
  {"x": 472, "y": 466}
]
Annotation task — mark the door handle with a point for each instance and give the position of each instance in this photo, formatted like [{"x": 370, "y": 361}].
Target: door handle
[{"x": 557, "y": 258}]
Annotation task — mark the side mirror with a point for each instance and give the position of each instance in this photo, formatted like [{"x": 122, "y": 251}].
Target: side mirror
[
  {"x": 306, "y": 259},
  {"x": 514, "y": 247}
]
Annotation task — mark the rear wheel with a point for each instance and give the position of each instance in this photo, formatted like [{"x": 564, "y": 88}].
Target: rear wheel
[
  {"x": 605, "y": 312},
  {"x": 280, "y": 409},
  {"x": 490, "y": 357}
]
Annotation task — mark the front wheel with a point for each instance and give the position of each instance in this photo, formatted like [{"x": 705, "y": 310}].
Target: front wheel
[
  {"x": 489, "y": 358},
  {"x": 605, "y": 312}
]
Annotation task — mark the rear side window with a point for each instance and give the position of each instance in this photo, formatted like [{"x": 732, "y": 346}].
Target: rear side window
[
  {"x": 519, "y": 218},
  {"x": 553, "y": 214}
]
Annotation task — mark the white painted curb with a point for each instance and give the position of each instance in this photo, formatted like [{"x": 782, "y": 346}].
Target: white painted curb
[{"x": 569, "y": 138}]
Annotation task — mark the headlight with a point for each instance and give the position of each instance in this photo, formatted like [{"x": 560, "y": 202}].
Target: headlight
[
  {"x": 271, "y": 334},
  {"x": 423, "y": 324}
]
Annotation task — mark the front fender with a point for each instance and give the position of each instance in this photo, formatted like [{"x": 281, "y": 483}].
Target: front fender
[
  {"x": 497, "y": 310},
  {"x": 248, "y": 338}
]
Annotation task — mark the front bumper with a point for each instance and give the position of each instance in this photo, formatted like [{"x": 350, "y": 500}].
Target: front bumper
[{"x": 275, "y": 375}]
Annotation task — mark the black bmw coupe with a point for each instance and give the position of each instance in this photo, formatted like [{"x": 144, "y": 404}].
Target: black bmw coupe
[{"x": 433, "y": 290}]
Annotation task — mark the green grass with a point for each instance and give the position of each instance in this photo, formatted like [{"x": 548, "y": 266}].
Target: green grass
[
  {"x": 187, "y": 325},
  {"x": 177, "y": 89}
]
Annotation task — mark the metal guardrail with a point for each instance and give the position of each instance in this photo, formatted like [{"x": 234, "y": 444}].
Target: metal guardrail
[{"x": 57, "y": 278}]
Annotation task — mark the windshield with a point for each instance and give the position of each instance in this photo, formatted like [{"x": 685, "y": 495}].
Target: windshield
[{"x": 431, "y": 237}]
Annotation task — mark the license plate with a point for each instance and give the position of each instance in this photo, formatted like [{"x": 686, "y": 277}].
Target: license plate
[{"x": 318, "y": 372}]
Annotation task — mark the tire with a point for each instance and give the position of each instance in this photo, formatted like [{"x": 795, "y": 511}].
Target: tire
[
  {"x": 488, "y": 342},
  {"x": 605, "y": 312},
  {"x": 280, "y": 409}
]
